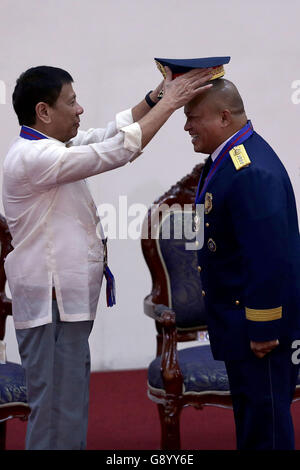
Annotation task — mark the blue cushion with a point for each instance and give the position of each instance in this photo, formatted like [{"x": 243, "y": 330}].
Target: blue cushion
[
  {"x": 12, "y": 383},
  {"x": 182, "y": 268},
  {"x": 201, "y": 372}
]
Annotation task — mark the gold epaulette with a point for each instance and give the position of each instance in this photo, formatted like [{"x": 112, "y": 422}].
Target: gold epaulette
[
  {"x": 239, "y": 157},
  {"x": 268, "y": 314}
]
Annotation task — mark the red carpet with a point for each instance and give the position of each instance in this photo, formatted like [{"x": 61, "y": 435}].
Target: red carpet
[{"x": 123, "y": 418}]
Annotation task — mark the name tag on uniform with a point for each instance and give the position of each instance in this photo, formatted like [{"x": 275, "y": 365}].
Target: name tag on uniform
[{"x": 239, "y": 157}]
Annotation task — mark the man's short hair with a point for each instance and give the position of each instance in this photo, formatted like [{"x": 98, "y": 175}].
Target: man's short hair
[{"x": 37, "y": 84}]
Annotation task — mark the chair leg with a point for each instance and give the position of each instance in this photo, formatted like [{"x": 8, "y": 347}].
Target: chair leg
[
  {"x": 2, "y": 435},
  {"x": 169, "y": 415}
]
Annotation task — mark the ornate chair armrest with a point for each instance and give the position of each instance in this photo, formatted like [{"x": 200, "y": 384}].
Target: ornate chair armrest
[
  {"x": 163, "y": 315},
  {"x": 149, "y": 307},
  {"x": 156, "y": 311},
  {"x": 170, "y": 369}
]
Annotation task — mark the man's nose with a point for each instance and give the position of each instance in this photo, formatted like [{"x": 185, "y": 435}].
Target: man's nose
[
  {"x": 187, "y": 126},
  {"x": 80, "y": 110}
]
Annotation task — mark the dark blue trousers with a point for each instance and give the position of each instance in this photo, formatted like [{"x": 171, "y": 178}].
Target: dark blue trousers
[{"x": 262, "y": 391}]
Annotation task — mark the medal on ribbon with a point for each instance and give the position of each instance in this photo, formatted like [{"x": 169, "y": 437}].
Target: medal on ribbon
[{"x": 110, "y": 280}]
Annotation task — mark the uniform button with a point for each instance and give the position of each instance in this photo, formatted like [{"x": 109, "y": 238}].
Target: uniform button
[
  {"x": 207, "y": 224},
  {"x": 237, "y": 302},
  {"x": 203, "y": 293},
  {"x": 199, "y": 269},
  {"x": 211, "y": 245}
]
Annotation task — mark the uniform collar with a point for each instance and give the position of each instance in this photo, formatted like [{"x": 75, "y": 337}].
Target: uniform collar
[
  {"x": 219, "y": 149},
  {"x": 237, "y": 139}
]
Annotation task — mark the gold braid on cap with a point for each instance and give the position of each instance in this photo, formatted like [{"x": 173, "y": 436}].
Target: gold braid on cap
[
  {"x": 218, "y": 72},
  {"x": 161, "y": 68}
]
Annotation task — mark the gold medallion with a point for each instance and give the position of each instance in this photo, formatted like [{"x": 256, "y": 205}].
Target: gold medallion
[{"x": 208, "y": 203}]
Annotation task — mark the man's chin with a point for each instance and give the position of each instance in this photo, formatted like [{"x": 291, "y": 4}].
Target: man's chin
[
  {"x": 197, "y": 148},
  {"x": 73, "y": 133},
  {"x": 200, "y": 149}
]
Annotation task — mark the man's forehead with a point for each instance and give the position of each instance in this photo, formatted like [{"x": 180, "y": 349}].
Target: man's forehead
[
  {"x": 192, "y": 109},
  {"x": 200, "y": 105},
  {"x": 67, "y": 91}
]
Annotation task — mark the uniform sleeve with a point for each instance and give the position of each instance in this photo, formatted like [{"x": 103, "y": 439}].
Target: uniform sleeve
[{"x": 258, "y": 206}]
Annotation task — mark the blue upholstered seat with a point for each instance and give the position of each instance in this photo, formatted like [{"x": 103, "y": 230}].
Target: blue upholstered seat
[
  {"x": 12, "y": 384},
  {"x": 200, "y": 371}
]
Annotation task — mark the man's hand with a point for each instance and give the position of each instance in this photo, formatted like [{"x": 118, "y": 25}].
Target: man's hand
[
  {"x": 261, "y": 348},
  {"x": 177, "y": 93},
  {"x": 185, "y": 87}
]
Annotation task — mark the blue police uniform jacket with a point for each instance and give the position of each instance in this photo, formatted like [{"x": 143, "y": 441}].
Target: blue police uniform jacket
[{"x": 250, "y": 259}]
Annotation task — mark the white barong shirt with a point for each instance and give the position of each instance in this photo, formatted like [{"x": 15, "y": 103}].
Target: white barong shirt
[{"x": 53, "y": 219}]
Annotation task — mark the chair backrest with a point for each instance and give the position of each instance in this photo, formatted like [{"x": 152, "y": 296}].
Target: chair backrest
[
  {"x": 166, "y": 239},
  {"x": 6, "y": 247}
]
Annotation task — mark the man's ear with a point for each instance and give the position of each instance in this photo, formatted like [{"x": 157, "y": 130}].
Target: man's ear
[
  {"x": 226, "y": 118},
  {"x": 43, "y": 112}
]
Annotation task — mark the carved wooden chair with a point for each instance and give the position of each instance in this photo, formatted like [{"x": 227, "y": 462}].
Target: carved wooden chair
[
  {"x": 190, "y": 376},
  {"x": 13, "y": 402}
]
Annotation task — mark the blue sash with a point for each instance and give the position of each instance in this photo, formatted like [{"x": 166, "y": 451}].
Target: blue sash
[
  {"x": 32, "y": 134},
  {"x": 242, "y": 135}
]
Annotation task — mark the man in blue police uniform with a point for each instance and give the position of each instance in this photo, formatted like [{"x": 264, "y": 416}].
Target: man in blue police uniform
[{"x": 250, "y": 265}]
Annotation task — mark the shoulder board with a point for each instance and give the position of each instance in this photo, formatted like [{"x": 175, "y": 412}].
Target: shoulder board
[{"x": 239, "y": 157}]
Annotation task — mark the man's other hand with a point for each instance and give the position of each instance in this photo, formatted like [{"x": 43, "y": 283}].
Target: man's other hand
[
  {"x": 261, "y": 348},
  {"x": 186, "y": 87}
]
